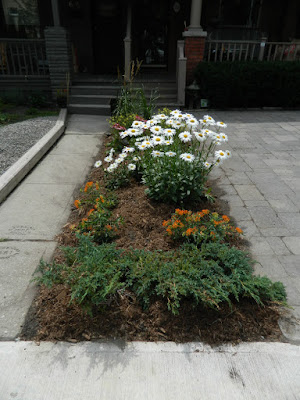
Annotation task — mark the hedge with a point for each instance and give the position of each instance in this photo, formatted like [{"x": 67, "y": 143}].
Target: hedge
[{"x": 250, "y": 84}]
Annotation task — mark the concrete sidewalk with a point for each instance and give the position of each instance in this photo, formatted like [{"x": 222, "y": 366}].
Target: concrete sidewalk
[
  {"x": 149, "y": 371},
  {"x": 35, "y": 213}
]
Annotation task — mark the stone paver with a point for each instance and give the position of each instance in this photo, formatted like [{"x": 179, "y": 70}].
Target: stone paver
[{"x": 264, "y": 171}]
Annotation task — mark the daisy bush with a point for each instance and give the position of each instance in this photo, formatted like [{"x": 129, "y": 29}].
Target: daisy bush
[{"x": 174, "y": 153}]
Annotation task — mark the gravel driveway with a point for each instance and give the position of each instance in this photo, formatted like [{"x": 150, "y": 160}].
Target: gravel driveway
[{"x": 17, "y": 138}]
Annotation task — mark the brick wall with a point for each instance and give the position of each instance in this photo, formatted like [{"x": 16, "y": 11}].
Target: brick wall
[{"x": 194, "y": 52}]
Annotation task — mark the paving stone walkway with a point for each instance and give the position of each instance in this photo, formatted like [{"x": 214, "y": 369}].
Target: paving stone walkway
[{"x": 261, "y": 183}]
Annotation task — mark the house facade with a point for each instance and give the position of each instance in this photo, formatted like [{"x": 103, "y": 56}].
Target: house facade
[{"x": 101, "y": 37}]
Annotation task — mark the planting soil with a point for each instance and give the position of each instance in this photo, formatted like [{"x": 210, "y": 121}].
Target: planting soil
[{"x": 53, "y": 317}]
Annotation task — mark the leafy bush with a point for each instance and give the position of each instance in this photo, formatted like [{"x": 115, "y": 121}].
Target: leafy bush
[
  {"x": 173, "y": 153},
  {"x": 250, "y": 84},
  {"x": 210, "y": 276},
  {"x": 98, "y": 223},
  {"x": 199, "y": 227}
]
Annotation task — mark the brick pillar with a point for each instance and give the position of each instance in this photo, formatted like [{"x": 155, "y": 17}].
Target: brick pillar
[
  {"x": 59, "y": 56},
  {"x": 194, "y": 52}
]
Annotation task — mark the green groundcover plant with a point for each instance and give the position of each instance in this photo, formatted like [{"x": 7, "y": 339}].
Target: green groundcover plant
[{"x": 208, "y": 276}]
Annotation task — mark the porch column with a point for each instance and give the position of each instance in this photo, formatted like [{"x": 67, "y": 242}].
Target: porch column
[
  {"x": 59, "y": 53},
  {"x": 55, "y": 12},
  {"x": 127, "y": 43},
  {"x": 194, "y": 40}
]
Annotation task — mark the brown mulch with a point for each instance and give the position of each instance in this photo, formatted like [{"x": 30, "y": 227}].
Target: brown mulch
[{"x": 52, "y": 317}]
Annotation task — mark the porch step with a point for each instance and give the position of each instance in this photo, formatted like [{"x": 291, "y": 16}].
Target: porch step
[
  {"x": 93, "y": 95},
  {"x": 90, "y": 109}
]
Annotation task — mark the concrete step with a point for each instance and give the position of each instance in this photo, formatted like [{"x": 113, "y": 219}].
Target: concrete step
[
  {"x": 91, "y": 109},
  {"x": 114, "y": 90}
]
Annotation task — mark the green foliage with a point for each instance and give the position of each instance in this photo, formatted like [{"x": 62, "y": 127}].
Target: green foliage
[
  {"x": 37, "y": 100},
  {"x": 133, "y": 100},
  {"x": 4, "y": 118},
  {"x": 250, "y": 84},
  {"x": 99, "y": 223},
  {"x": 210, "y": 276}
]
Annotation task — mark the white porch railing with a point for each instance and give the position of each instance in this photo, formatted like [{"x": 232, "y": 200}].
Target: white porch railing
[
  {"x": 181, "y": 72},
  {"x": 232, "y": 50},
  {"x": 23, "y": 57}
]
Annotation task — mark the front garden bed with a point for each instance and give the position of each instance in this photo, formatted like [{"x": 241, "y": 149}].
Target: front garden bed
[{"x": 167, "y": 275}]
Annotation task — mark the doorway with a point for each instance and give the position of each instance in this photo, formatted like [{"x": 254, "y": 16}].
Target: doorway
[{"x": 108, "y": 24}]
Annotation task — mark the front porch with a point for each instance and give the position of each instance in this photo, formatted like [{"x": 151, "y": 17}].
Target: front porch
[{"x": 96, "y": 41}]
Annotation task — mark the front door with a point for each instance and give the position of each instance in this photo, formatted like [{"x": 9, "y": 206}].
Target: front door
[
  {"x": 108, "y": 18},
  {"x": 150, "y": 32}
]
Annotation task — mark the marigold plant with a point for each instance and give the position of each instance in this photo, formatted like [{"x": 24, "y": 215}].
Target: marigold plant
[{"x": 200, "y": 227}]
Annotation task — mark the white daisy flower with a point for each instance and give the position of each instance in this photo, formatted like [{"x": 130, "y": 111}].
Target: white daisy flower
[
  {"x": 98, "y": 164},
  {"x": 228, "y": 153},
  {"x": 124, "y": 134},
  {"x": 177, "y": 124},
  {"x": 136, "y": 158},
  {"x": 175, "y": 112},
  {"x": 187, "y": 157},
  {"x": 170, "y": 121},
  {"x": 119, "y": 160},
  {"x": 170, "y": 154},
  {"x": 142, "y": 146},
  {"x": 137, "y": 124},
  {"x": 108, "y": 159},
  {"x": 112, "y": 151},
  {"x": 131, "y": 167},
  {"x": 200, "y": 136},
  {"x": 209, "y": 133},
  {"x": 156, "y": 129},
  {"x": 168, "y": 142},
  {"x": 157, "y": 140},
  {"x": 112, "y": 167},
  {"x": 134, "y": 132},
  {"x": 147, "y": 143},
  {"x": 218, "y": 162},
  {"x": 207, "y": 165},
  {"x": 123, "y": 155},
  {"x": 185, "y": 136},
  {"x": 157, "y": 153},
  {"x": 169, "y": 132},
  {"x": 192, "y": 122},
  {"x": 128, "y": 150},
  {"x": 160, "y": 117},
  {"x": 151, "y": 122},
  {"x": 203, "y": 121},
  {"x": 220, "y": 154},
  {"x": 221, "y": 124},
  {"x": 224, "y": 137},
  {"x": 208, "y": 118},
  {"x": 188, "y": 116}
]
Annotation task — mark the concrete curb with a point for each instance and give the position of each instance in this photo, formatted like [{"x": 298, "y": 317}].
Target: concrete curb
[{"x": 10, "y": 179}]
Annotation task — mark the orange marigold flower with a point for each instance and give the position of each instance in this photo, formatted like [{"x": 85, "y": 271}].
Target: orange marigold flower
[
  {"x": 77, "y": 203},
  {"x": 108, "y": 227},
  {"x": 84, "y": 220},
  {"x": 205, "y": 212},
  {"x": 101, "y": 199},
  {"x": 97, "y": 186},
  {"x": 87, "y": 186},
  {"x": 169, "y": 231},
  {"x": 166, "y": 223},
  {"x": 239, "y": 230},
  {"x": 190, "y": 231},
  {"x": 225, "y": 218},
  {"x": 90, "y": 212}
]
